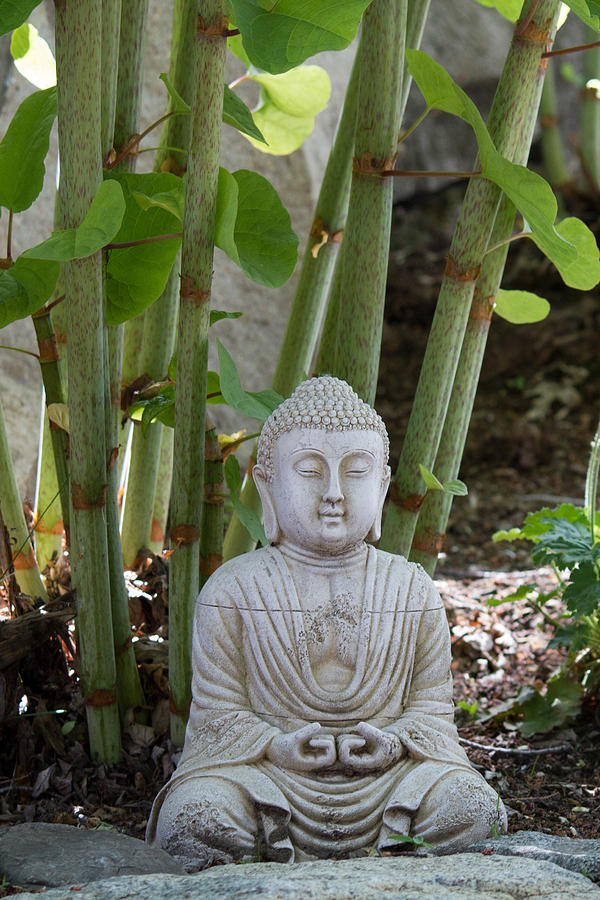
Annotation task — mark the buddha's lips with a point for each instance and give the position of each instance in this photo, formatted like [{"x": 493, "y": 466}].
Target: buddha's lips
[{"x": 331, "y": 513}]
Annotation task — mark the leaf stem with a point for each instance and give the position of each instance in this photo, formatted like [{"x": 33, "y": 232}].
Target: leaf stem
[
  {"x": 19, "y": 350},
  {"x": 233, "y": 84},
  {"x": 148, "y": 240},
  {"x": 576, "y": 49},
  {"x": 404, "y": 134},
  {"x": 508, "y": 240}
]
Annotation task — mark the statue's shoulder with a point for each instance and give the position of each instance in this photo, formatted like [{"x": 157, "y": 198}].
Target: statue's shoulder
[
  {"x": 412, "y": 575},
  {"x": 401, "y": 563},
  {"x": 234, "y": 574}
]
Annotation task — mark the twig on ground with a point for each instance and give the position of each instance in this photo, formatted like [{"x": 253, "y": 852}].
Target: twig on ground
[{"x": 509, "y": 751}]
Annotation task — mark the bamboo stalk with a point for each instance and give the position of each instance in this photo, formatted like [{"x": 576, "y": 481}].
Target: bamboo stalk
[
  {"x": 23, "y": 558},
  {"x": 162, "y": 494},
  {"x": 78, "y": 52},
  {"x": 365, "y": 249},
  {"x": 475, "y": 223},
  {"x": 192, "y": 348},
  {"x": 211, "y": 531},
  {"x": 590, "y": 118},
  {"x": 48, "y": 516},
  {"x": 552, "y": 149}
]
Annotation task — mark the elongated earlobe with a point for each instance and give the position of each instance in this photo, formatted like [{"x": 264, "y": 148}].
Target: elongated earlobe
[
  {"x": 263, "y": 487},
  {"x": 375, "y": 530}
]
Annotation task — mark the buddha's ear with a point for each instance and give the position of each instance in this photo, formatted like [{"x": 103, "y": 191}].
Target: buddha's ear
[
  {"x": 263, "y": 486},
  {"x": 375, "y": 530}
]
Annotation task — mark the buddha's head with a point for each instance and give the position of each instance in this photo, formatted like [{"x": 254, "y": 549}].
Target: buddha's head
[{"x": 322, "y": 471}]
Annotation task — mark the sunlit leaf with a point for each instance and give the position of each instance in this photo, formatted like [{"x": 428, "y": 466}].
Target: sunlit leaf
[
  {"x": 289, "y": 104},
  {"x": 587, "y": 10},
  {"x": 14, "y": 12},
  {"x": 237, "y": 114},
  {"x": 432, "y": 483},
  {"x": 456, "y": 487},
  {"x": 33, "y": 57},
  {"x": 278, "y": 36},
  {"x": 531, "y": 195},
  {"x": 58, "y": 413},
  {"x": 521, "y": 307},
  {"x": 510, "y": 9},
  {"x": 23, "y": 150},
  {"x": 25, "y": 287},
  {"x": 100, "y": 225}
]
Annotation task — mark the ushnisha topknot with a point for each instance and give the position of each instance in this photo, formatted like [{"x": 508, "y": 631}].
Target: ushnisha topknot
[{"x": 323, "y": 402}]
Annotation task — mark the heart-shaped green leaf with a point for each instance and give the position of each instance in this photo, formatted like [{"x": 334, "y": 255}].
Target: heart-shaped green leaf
[
  {"x": 14, "y": 12},
  {"x": 237, "y": 114},
  {"x": 23, "y": 150},
  {"x": 25, "y": 287},
  {"x": 582, "y": 273},
  {"x": 33, "y": 57},
  {"x": 521, "y": 307}
]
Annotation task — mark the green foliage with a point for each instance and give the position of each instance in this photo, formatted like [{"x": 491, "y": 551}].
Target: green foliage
[
  {"x": 510, "y": 9},
  {"x": 587, "y": 10},
  {"x": 177, "y": 103},
  {"x": 247, "y": 517},
  {"x": 583, "y": 272},
  {"x": 25, "y": 287},
  {"x": 23, "y": 150},
  {"x": 278, "y": 36},
  {"x": 33, "y": 57},
  {"x": 470, "y": 708},
  {"x": 257, "y": 405},
  {"x": 521, "y": 307},
  {"x": 136, "y": 276},
  {"x": 454, "y": 486},
  {"x": 289, "y": 104},
  {"x": 415, "y": 840},
  {"x": 237, "y": 114},
  {"x": 531, "y": 195},
  {"x": 537, "y": 712},
  {"x": 14, "y": 12},
  {"x": 98, "y": 228}
]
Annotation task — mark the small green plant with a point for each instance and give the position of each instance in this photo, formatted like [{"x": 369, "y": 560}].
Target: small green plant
[
  {"x": 470, "y": 708},
  {"x": 415, "y": 840},
  {"x": 567, "y": 539}
]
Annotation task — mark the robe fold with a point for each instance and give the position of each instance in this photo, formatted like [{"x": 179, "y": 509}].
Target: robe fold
[{"x": 253, "y": 678}]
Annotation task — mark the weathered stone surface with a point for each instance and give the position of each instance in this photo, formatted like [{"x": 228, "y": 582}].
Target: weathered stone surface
[
  {"x": 578, "y": 855},
  {"x": 44, "y": 854},
  {"x": 460, "y": 877}
]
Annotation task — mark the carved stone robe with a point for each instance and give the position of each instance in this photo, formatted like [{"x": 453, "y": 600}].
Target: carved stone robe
[{"x": 253, "y": 677}]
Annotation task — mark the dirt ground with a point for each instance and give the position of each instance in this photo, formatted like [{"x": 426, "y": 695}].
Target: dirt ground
[{"x": 535, "y": 414}]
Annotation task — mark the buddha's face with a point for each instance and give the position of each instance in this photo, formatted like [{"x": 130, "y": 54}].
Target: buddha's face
[{"x": 328, "y": 488}]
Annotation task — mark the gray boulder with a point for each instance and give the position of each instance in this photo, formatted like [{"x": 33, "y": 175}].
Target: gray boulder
[
  {"x": 460, "y": 877},
  {"x": 38, "y": 854},
  {"x": 578, "y": 855}
]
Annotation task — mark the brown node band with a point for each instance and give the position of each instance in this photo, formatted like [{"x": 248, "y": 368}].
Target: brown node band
[
  {"x": 412, "y": 502},
  {"x": 589, "y": 92},
  {"x": 210, "y": 562},
  {"x": 482, "y": 307},
  {"x": 184, "y": 535},
  {"x": 183, "y": 713},
  {"x": 213, "y": 493},
  {"x": 48, "y": 350},
  {"x": 189, "y": 291},
  {"x": 119, "y": 651},
  {"x": 156, "y": 532},
  {"x": 367, "y": 164},
  {"x": 549, "y": 121},
  {"x": 452, "y": 271},
  {"x": 80, "y": 500},
  {"x": 114, "y": 455},
  {"x": 532, "y": 33},
  {"x": 102, "y": 697},
  {"x": 40, "y": 527},
  {"x": 430, "y": 542},
  {"x": 23, "y": 561},
  {"x": 218, "y": 28}
]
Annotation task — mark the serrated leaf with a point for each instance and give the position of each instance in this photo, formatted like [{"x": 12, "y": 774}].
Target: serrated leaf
[
  {"x": 233, "y": 476},
  {"x": 289, "y": 104},
  {"x": 100, "y": 225},
  {"x": 177, "y": 103},
  {"x": 58, "y": 413},
  {"x": 265, "y": 242},
  {"x": 582, "y": 595},
  {"x": 531, "y": 195},
  {"x": 25, "y": 287},
  {"x": 14, "y": 12},
  {"x": 33, "y": 57},
  {"x": 456, "y": 487},
  {"x": 510, "y": 9},
  {"x": 136, "y": 276},
  {"x": 216, "y": 315},
  {"x": 521, "y": 307},
  {"x": 237, "y": 114},
  {"x": 23, "y": 150},
  {"x": 432, "y": 483},
  {"x": 584, "y": 272},
  {"x": 257, "y": 405},
  {"x": 564, "y": 543},
  {"x": 278, "y": 36}
]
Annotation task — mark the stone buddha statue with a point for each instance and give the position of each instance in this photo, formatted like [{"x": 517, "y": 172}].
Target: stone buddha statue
[{"x": 322, "y": 718}]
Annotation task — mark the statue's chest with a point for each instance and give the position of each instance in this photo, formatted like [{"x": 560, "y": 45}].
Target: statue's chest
[{"x": 331, "y": 608}]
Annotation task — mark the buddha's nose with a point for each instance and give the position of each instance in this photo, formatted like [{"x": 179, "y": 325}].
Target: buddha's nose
[{"x": 333, "y": 493}]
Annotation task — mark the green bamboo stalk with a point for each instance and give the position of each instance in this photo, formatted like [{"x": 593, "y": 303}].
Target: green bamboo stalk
[
  {"x": 433, "y": 518},
  {"x": 310, "y": 298},
  {"x": 78, "y": 53},
  {"x": 553, "y": 156},
  {"x": 211, "y": 531},
  {"x": 192, "y": 353},
  {"x": 365, "y": 249},
  {"x": 473, "y": 230},
  {"x": 176, "y": 130},
  {"x": 55, "y": 445},
  {"x": 162, "y": 494},
  {"x": 23, "y": 557},
  {"x": 590, "y": 116}
]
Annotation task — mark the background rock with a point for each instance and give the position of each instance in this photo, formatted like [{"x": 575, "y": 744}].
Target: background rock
[
  {"x": 575, "y": 854},
  {"x": 460, "y": 877}
]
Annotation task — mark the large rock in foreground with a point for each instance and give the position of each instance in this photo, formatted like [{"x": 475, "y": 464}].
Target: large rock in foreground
[{"x": 464, "y": 876}]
